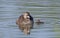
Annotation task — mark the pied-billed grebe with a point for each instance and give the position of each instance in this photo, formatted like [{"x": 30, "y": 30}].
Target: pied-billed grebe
[{"x": 25, "y": 22}]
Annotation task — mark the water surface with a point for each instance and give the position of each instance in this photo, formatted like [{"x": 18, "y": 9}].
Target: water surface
[{"x": 48, "y": 11}]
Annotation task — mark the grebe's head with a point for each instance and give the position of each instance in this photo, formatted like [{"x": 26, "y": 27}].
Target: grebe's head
[{"x": 26, "y": 15}]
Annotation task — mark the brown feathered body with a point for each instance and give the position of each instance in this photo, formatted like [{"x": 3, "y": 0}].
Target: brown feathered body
[{"x": 25, "y": 24}]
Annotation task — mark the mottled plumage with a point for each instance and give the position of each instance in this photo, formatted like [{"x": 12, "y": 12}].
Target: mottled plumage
[{"x": 25, "y": 22}]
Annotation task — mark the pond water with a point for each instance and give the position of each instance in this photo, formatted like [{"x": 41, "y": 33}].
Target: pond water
[{"x": 48, "y": 11}]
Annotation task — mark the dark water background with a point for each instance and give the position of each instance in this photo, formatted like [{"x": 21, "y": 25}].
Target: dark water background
[{"x": 48, "y": 11}]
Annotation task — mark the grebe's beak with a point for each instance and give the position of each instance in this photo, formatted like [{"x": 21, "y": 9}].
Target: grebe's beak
[{"x": 28, "y": 17}]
